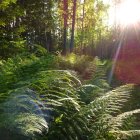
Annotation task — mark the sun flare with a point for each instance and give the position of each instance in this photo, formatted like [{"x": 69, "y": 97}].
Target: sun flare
[{"x": 128, "y": 12}]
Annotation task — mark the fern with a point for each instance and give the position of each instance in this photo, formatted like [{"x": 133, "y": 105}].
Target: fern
[
  {"x": 127, "y": 135},
  {"x": 37, "y": 102},
  {"x": 101, "y": 110},
  {"x": 118, "y": 123},
  {"x": 99, "y": 76},
  {"x": 49, "y": 102}
]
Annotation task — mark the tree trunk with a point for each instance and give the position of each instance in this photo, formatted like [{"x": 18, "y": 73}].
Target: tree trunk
[
  {"x": 82, "y": 45},
  {"x": 73, "y": 26},
  {"x": 65, "y": 16}
]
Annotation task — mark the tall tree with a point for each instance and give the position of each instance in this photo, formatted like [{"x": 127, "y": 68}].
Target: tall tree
[
  {"x": 65, "y": 16},
  {"x": 91, "y": 16},
  {"x": 83, "y": 16},
  {"x": 73, "y": 25}
]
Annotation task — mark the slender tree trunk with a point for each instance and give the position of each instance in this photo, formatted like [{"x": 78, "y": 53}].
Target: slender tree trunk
[
  {"x": 48, "y": 34},
  {"x": 65, "y": 16},
  {"x": 49, "y": 42},
  {"x": 82, "y": 46},
  {"x": 73, "y": 26}
]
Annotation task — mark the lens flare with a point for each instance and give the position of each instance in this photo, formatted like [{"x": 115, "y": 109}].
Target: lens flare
[
  {"x": 127, "y": 59},
  {"x": 128, "y": 12}
]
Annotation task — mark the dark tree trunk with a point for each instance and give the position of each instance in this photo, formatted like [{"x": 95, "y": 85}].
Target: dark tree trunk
[
  {"x": 73, "y": 26},
  {"x": 82, "y": 46},
  {"x": 49, "y": 42},
  {"x": 65, "y": 16}
]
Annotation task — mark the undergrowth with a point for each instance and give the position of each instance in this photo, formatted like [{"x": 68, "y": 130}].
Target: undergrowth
[{"x": 64, "y": 98}]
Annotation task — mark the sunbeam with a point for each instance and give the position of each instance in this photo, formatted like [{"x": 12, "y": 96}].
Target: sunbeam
[
  {"x": 116, "y": 57},
  {"x": 126, "y": 66}
]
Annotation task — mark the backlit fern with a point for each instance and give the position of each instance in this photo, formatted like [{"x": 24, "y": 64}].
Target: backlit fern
[{"x": 38, "y": 102}]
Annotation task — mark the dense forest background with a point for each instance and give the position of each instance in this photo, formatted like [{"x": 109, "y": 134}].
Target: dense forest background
[
  {"x": 65, "y": 26},
  {"x": 66, "y": 73}
]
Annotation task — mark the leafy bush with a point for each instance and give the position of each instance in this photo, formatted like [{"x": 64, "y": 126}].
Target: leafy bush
[{"x": 84, "y": 65}]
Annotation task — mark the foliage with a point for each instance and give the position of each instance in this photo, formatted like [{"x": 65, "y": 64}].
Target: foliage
[
  {"x": 32, "y": 22},
  {"x": 39, "y": 102},
  {"x": 48, "y": 97},
  {"x": 91, "y": 26},
  {"x": 84, "y": 65},
  {"x": 41, "y": 23},
  {"x": 23, "y": 67},
  {"x": 55, "y": 96},
  {"x": 10, "y": 29}
]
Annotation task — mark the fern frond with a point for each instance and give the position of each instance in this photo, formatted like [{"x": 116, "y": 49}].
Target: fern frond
[
  {"x": 90, "y": 92},
  {"x": 99, "y": 77},
  {"x": 25, "y": 124},
  {"x": 101, "y": 110},
  {"x": 125, "y": 135},
  {"x": 117, "y": 122},
  {"x": 112, "y": 101}
]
